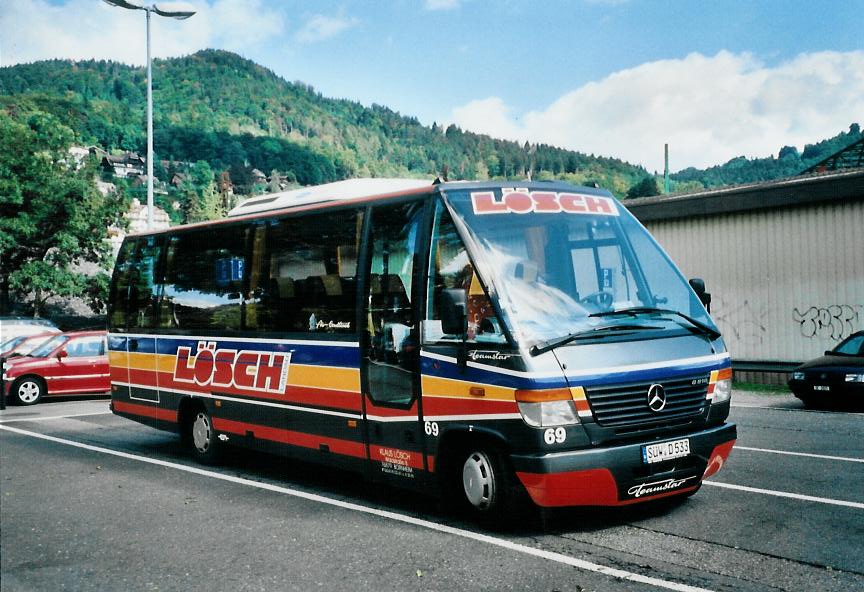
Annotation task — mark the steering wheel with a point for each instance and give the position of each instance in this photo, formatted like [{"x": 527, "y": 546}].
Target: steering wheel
[{"x": 601, "y": 299}]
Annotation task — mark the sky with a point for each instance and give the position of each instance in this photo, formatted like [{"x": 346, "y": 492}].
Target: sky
[{"x": 713, "y": 79}]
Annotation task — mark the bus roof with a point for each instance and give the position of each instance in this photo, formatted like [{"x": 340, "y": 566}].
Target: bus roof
[{"x": 350, "y": 189}]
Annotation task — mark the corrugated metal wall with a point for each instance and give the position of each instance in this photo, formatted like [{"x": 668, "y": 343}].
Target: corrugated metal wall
[{"x": 787, "y": 284}]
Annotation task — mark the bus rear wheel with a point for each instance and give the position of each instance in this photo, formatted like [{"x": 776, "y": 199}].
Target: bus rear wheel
[{"x": 202, "y": 437}]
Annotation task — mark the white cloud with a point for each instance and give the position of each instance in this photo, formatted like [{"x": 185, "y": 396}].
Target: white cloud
[
  {"x": 442, "y": 4},
  {"x": 32, "y": 30},
  {"x": 320, "y": 27},
  {"x": 709, "y": 109}
]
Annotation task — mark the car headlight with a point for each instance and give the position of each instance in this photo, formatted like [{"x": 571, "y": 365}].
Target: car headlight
[
  {"x": 797, "y": 376},
  {"x": 550, "y": 407},
  {"x": 855, "y": 378}
]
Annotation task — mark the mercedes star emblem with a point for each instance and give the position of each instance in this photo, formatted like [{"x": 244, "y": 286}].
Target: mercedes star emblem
[{"x": 656, "y": 398}]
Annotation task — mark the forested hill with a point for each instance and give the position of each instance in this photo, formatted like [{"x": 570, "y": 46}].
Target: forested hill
[
  {"x": 237, "y": 115},
  {"x": 218, "y": 107},
  {"x": 787, "y": 163}
]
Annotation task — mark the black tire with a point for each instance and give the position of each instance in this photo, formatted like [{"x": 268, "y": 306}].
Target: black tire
[
  {"x": 28, "y": 390},
  {"x": 485, "y": 486},
  {"x": 201, "y": 436}
]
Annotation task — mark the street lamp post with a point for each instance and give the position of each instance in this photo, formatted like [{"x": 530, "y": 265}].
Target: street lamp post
[{"x": 161, "y": 11}]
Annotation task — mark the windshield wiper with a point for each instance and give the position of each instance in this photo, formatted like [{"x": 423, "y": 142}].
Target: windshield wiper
[
  {"x": 536, "y": 350},
  {"x": 638, "y": 310}
]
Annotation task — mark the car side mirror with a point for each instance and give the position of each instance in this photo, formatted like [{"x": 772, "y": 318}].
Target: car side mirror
[
  {"x": 698, "y": 285},
  {"x": 62, "y": 354},
  {"x": 454, "y": 312}
]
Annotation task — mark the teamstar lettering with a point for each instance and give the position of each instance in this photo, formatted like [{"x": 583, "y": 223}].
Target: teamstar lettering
[
  {"x": 657, "y": 487},
  {"x": 242, "y": 369}
]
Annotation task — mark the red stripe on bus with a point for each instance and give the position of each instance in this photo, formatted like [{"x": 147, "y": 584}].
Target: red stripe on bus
[
  {"x": 118, "y": 374},
  {"x": 454, "y": 406},
  {"x": 335, "y": 445},
  {"x": 150, "y": 411},
  {"x": 332, "y": 399}
]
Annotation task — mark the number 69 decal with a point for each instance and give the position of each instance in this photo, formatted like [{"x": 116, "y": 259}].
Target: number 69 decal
[
  {"x": 555, "y": 436},
  {"x": 431, "y": 428}
]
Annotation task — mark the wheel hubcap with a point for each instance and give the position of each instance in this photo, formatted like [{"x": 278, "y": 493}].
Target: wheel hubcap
[
  {"x": 478, "y": 480},
  {"x": 28, "y": 391},
  {"x": 202, "y": 432}
]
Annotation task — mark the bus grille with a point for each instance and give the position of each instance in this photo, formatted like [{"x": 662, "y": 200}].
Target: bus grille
[{"x": 627, "y": 404}]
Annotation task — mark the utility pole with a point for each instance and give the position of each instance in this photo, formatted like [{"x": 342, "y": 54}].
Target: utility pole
[
  {"x": 666, "y": 169},
  {"x": 175, "y": 14}
]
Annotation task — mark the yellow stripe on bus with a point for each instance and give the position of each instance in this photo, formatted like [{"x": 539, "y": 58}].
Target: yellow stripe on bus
[
  {"x": 459, "y": 389},
  {"x": 338, "y": 379},
  {"x": 118, "y": 359}
]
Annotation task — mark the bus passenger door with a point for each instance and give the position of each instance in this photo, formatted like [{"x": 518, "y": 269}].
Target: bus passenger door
[{"x": 390, "y": 357}]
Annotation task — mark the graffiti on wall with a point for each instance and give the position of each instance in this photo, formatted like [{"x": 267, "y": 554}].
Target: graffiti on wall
[
  {"x": 836, "y": 321},
  {"x": 743, "y": 320}
]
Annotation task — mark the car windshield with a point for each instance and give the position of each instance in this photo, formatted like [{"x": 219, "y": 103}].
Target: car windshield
[
  {"x": 26, "y": 347},
  {"x": 854, "y": 346},
  {"x": 47, "y": 347},
  {"x": 564, "y": 263},
  {"x": 10, "y": 344}
]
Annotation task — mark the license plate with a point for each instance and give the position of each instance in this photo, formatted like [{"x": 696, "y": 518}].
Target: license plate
[
  {"x": 820, "y": 387},
  {"x": 653, "y": 453}
]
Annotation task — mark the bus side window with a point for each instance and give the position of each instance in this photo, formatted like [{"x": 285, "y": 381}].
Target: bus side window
[
  {"x": 118, "y": 299},
  {"x": 205, "y": 277},
  {"x": 143, "y": 291},
  {"x": 450, "y": 267},
  {"x": 310, "y": 285}
]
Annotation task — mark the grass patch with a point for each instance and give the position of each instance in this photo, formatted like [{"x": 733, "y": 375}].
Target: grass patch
[{"x": 770, "y": 389}]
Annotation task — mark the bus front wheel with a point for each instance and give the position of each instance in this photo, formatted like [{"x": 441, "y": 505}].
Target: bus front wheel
[{"x": 486, "y": 485}]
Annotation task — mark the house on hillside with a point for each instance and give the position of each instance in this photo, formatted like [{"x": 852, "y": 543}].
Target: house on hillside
[
  {"x": 177, "y": 179},
  {"x": 128, "y": 164},
  {"x": 258, "y": 177}
]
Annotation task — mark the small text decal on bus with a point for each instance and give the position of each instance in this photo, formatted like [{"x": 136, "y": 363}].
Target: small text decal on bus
[
  {"x": 247, "y": 370},
  {"x": 522, "y": 201}
]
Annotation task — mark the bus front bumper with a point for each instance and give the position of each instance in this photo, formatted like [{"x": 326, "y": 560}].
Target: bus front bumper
[{"x": 619, "y": 475}]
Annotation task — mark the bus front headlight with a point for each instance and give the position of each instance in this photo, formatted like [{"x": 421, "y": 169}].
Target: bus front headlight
[
  {"x": 722, "y": 391},
  {"x": 548, "y": 407},
  {"x": 720, "y": 386}
]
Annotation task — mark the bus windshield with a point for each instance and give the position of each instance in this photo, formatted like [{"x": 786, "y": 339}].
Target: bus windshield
[{"x": 567, "y": 263}]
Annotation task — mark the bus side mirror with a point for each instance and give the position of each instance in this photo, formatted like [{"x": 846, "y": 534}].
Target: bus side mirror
[
  {"x": 454, "y": 312},
  {"x": 698, "y": 285}
]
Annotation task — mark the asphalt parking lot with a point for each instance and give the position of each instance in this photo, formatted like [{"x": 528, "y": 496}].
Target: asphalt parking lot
[{"x": 91, "y": 501}]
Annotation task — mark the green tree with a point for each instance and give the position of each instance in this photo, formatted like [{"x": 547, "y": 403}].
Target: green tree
[
  {"x": 210, "y": 205},
  {"x": 644, "y": 188},
  {"x": 52, "y": 217}
]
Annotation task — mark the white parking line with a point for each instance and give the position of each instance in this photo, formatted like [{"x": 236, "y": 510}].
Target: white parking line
[
  {"x": 467, "y": 534},
  {"x": 807, "y": 454},
  {"x": 798, "y": 496},
  {"x": 52, "y": 417}
]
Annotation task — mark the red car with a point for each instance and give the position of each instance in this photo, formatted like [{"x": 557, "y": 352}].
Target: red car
[{"x": 67, "y": 364}]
